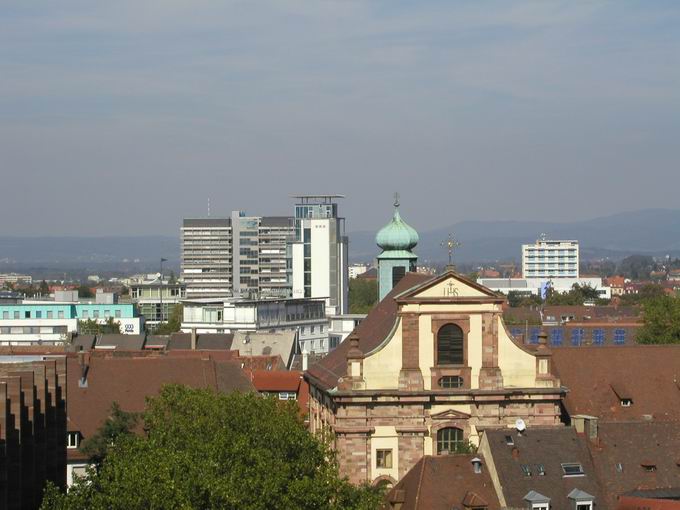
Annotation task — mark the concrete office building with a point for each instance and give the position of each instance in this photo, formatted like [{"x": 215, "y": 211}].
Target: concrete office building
[
  {"x": 547, "y": 263},
  {"x": 307, "y": 317},
  {"x": 240, "y": 256},
  {"x": 547, "y": 259},
  {"x": 51, "y": 322},
  {"x": 319, "y": 252},
  {"x": 156, "y": 300}
]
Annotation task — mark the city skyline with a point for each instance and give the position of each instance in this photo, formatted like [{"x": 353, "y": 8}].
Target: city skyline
[{"x": 557, "y": 110}]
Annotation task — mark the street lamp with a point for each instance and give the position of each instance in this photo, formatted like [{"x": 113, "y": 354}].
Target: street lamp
[{"x": 160, "y": 292}]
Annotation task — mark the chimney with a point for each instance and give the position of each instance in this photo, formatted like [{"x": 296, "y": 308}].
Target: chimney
[
  {"x": 477, "y": 465},
  {"x": 591, "y": 428},
  {"x": 193, "y": 339},
  {"x": 543, "y": 338},
  {"x": 305, "y": 360},
  {"x": 82, "y": 382},
  {"x": 515, "y": 453}
]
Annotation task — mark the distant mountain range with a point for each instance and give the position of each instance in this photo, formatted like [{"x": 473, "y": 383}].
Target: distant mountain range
[{"x": 651, "y": 231}]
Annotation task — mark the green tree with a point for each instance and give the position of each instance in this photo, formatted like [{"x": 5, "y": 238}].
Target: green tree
[
  {"x": 85, "y": 292},
  {"x": 363, "y": 295},
  {"x": 205, "y": 450},
  {"x": 174, "y": 322},
  {"x": 92, "y": 327},
  {"x": 636, "y": 267},
  {"x": 661, "y": 316},
  {"x": 44, "y": 288},
  {"x": 119, "y": 424}
]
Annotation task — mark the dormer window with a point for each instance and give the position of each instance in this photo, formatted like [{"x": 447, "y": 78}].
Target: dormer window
[
  {"x": 626, "y": 402},
  {"x": 537, "y": 501},
  {"x": 72, "y": 439},
  {"x": 573, "y": 469},
  {"x": 649, "y": 467},
  {"x": 451, "y": 382},
  {"x": 582, "y": 500}
]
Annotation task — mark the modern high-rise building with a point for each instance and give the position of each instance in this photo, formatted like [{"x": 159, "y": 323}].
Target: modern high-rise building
[
  {"x": 549, "y": 259},
  {"x": 319, "y": 252},
  {"x": 240, "y": 256}
]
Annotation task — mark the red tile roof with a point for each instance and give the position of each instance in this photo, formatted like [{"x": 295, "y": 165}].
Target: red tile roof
[
  {"x": 649, "y": 374},
  {"x": 274, "y": 381},
  {"x": 444, "y": 482},
  {"x": 371, "y": 332},
  {"x": 130, "y": 380},
  {"x": 623, "y": 449}
]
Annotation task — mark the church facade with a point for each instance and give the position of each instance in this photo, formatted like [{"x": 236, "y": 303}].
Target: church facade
[{"x": 430, "y": 367}]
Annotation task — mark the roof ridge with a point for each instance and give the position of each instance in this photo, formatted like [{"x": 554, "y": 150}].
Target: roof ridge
[{"x": 420, "y": 480}]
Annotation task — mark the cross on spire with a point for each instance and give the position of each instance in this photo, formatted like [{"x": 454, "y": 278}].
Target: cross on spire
[{"x": 450, "y": 243}]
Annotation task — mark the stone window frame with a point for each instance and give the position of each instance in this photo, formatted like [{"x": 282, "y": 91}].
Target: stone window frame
[
  {"x": 463, "y": 322},
  {"x": 461, "y": 423},
  {"x": 435, "y": 436},
  {"x": 439, "y": 371}
]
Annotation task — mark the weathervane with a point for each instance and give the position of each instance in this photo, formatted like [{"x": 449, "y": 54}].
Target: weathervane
[{"x": 450, "y": 244}]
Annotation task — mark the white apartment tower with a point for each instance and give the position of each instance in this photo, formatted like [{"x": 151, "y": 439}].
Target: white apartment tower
[
  {"x": 319, "y": 253},
  {"x": 240, "y": 256},
  {"x": 547, "y": 259}
]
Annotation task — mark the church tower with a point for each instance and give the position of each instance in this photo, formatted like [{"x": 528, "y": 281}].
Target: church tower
[{"x": 397, "y": 240}]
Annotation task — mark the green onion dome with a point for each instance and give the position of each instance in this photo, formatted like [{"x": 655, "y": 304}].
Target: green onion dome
[{"x": 397, "y": 234}]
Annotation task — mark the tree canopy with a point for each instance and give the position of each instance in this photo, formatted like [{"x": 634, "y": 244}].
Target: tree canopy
[
  {"x": 174, "y": 322},
  {"x": 118, "y": 425},
  {"x": 92, "y": 327},
  {"x": 661, "y": 317},
  {"x": 363, "y": 295},
  {"x": 206, "y": 450}
]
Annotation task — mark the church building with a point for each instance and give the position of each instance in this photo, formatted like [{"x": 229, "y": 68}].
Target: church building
[{"x": 429, "y": 368}]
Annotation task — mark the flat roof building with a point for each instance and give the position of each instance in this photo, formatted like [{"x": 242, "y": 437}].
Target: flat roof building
[
  {"x": 550, "y": 259},
  {"x": 240, "y": 256}
]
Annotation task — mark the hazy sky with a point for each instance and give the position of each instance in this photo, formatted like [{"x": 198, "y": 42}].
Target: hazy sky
[{"x": 123, "y": 117}]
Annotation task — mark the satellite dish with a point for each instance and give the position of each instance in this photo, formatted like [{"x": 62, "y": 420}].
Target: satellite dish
[{"x": 520, "y": 425}]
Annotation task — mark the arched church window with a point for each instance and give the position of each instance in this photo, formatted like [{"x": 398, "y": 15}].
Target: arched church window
[
  {"x": 451, "y": 381},
  {"x": 450, "y": 440},
  {"x": 450, "y": 345}
]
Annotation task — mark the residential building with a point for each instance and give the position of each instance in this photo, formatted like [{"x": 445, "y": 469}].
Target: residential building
[
  {"x": 340, "y": 326},
  {"x": 579, "y": 334},
  {"x": 638, "y": 459},
  {"x": 548, "y": 259},
  {"x": 444, "y": 482},
  {"x": 320, "y": 252},
  {"x": 429, "y": 368},
  {"x": 239, "y": 256},
  {"x": 396, "y": 240},
  {"x": 54, "y": 321},
  {"x": 14, "y": 278},
  {"x": 32, "y": 428},
  {"x": 305, "y": 317},
  {"x": 548, "y": 264},
  {"x": 541, "y": 468},
  {"x": 535, "y": 286},
  {"x": 156, "y": 300},
  {"x": 628, "y": 384},
  {"x": 674, "y": 274},
  {"x": 356, "y": 269},
  {"x": 97, "y": 380},
  {"x": 282, "y": 385}
]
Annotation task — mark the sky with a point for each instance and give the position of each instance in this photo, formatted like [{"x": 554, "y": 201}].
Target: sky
[{"x": 123, "y": 117}]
